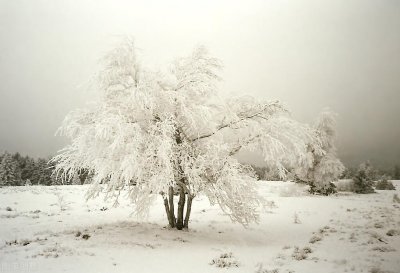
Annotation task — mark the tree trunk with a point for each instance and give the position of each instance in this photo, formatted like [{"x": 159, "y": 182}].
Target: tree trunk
[
  {"x": 181, "y": 207},
  {"x": 171, "y": 206},
  {"x": 182, "y": 220},
  {"x": 167, "y": 210},
  {"x": 188, "y": 210}
]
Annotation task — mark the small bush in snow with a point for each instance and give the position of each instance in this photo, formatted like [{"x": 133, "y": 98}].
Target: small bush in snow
[
  {"x": 22, "y": 242},
  {"x": 362, "y": 181},
  {"x": 225, "y": 260},
  {"x": 307, "y": 249},
  {"x": 301, "y": 254},
  {"x": 384, "y": 184},
  {"x": 9, "y": 243},
  {"x": 326, "y": 189}
]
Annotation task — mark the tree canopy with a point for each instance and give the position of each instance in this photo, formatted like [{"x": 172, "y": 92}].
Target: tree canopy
[{"x": 152, "y": 132}]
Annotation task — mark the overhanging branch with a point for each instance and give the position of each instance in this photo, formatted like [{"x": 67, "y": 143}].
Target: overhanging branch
[
  {"x": 242, "y": 118},
  {"x": 244, "y": 143}
]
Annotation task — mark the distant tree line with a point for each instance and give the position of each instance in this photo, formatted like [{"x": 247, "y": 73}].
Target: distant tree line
[
  {"x": 18, "y": 170},
  {"x": 374, "y": 173},
  {"x": 361, "y": 180}
]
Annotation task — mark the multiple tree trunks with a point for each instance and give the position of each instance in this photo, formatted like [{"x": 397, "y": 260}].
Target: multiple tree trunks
[{"x": 182, "y": 220}]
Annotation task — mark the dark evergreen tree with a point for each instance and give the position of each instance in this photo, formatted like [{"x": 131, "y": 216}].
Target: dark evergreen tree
[
  {"x": 349, "y": 173},
  {"x": 20, "y": 163},
  {"x": 28, "y": 169},
  {"x": 9, "y": 175},
  {"x": 370, "y": 171},
  {"x": 43, "y": 172},
  {"x": 363, "y": 181}
]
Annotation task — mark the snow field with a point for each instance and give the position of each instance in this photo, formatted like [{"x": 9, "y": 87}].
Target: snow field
[{"x": 53, "y": 229}]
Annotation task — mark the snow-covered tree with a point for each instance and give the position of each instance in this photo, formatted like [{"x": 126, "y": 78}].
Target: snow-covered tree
[
  {"x": 326, "y": 167},
  {"x": 9, "y": 174},
  {"x": 170, "y": 133}
]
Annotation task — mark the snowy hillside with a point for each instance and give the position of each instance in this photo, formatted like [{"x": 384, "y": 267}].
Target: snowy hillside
[{"x": 53, "y": 229}]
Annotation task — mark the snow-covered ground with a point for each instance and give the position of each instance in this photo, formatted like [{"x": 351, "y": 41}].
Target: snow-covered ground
[{"x": 53, "y": 229}]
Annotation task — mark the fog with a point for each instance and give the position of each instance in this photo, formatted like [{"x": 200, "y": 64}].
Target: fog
[{"x": 340, "y": 54}]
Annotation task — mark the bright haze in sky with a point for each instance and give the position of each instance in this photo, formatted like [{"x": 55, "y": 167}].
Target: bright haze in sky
[{"x": 340, "y": 54}]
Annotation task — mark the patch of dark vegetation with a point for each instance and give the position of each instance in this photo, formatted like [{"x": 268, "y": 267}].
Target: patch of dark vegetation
[
  {"x": 383, "y": 249},
  {"x": 24, "y": 242},
  {"x": 225, "y": 260},
  {"x": 384, "y": 184},
  {"x": 363, "y": 179},
  {"x": 85, "y": 236},
  {"x": 301, "y": 254}
]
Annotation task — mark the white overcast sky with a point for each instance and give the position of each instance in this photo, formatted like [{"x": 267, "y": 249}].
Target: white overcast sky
[{"x": 343, "y": 54}]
